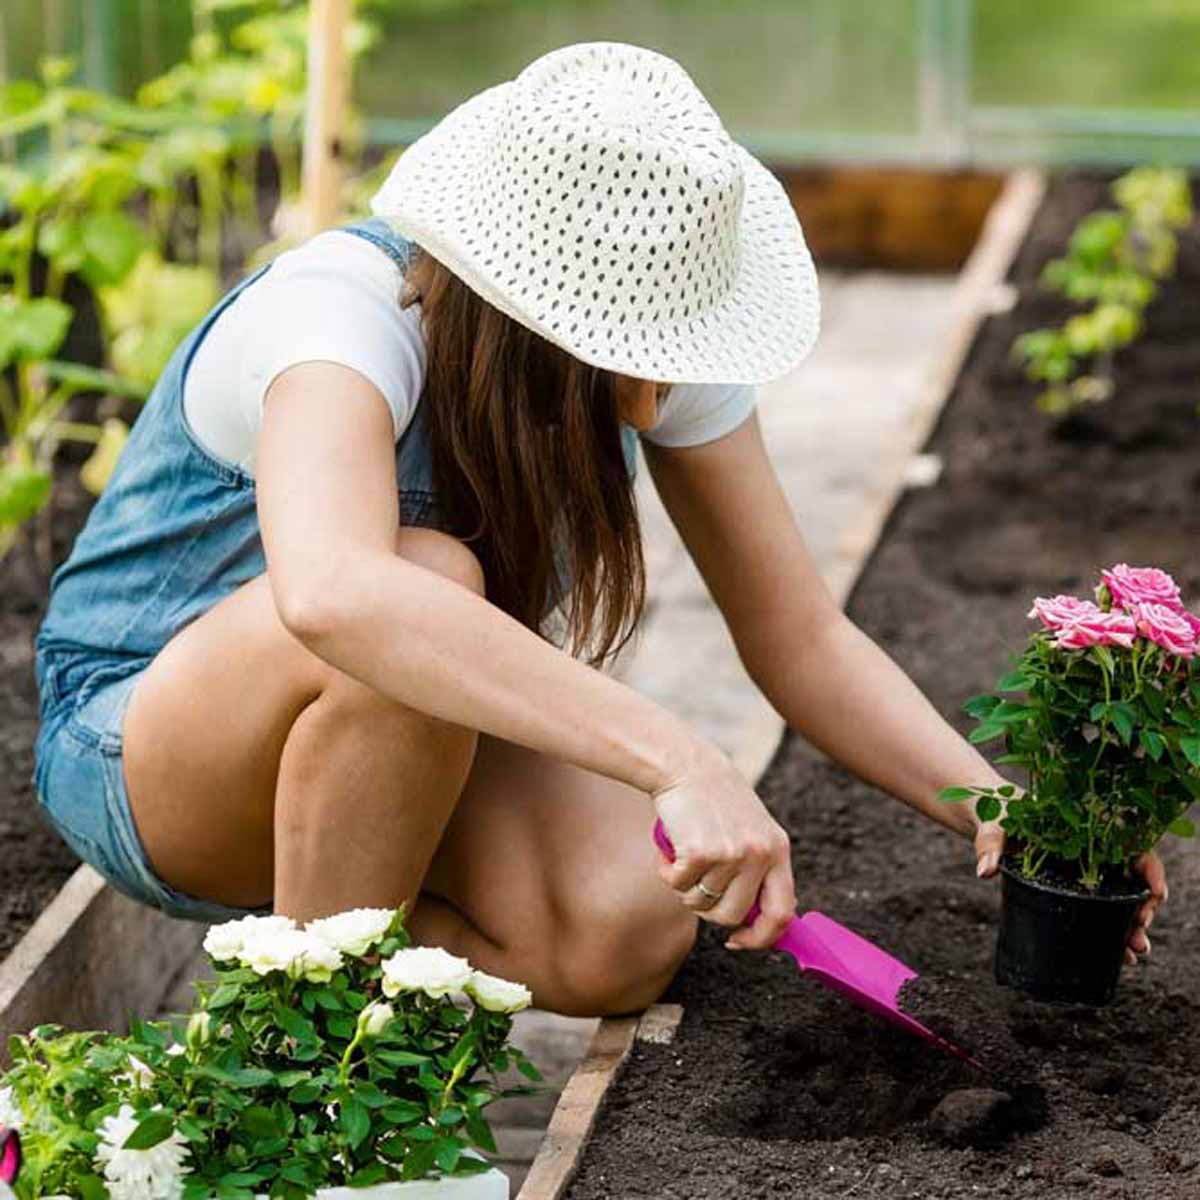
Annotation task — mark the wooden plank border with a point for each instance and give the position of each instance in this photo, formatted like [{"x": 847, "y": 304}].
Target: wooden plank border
[
  {"x": 91, "y": 959},
  {"x": 979, "y": 284}
]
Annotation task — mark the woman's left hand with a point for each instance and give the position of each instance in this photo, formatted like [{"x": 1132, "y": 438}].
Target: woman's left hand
[
  {"x": 1150, "y": 867},
  {"x": 989, "y": 845}
]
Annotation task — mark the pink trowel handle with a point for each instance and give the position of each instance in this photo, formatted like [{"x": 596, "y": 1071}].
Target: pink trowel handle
[{"x": 664, "y": 843}]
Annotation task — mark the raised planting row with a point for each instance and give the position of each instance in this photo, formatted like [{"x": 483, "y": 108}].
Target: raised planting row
[{"x": 773, "y": 1086}]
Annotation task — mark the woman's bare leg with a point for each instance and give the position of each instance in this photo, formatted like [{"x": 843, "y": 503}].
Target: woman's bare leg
[{"x": 254, "y": 768}]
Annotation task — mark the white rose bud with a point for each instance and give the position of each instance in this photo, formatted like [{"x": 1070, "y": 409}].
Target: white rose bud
[
  {"x": 353, "y": 932},
  {"x": 373, "y": 1019},
  {"x": 498, "y": 995},
  {"x": 199, "y": 1029},
  {"x": 427, "y": 969}
]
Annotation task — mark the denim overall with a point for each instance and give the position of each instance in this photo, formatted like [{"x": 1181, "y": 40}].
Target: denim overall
[{"x": 175, "y": 531}]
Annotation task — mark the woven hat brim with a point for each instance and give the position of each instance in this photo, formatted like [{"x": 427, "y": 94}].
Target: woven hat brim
[{"x": 766, "y": 324}]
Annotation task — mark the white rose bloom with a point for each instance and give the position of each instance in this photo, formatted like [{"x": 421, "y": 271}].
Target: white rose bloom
[
  {"x": 154, "y": 1174},
  {"x": 498, "y": 995},
  {"x": 225, "y": 942},
  {"x": 11, "y": 1116},
  {"x": 302, "y": 955},
  {"x": 353, "y": 932},
  {"x": 374, "y": 1018},
  {"x": 427, "y": 969}
]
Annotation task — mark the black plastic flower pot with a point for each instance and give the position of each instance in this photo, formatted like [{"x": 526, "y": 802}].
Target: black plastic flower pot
[{"x": 1063, "y": 944}]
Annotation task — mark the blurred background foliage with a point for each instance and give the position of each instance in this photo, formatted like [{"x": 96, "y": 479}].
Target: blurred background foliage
[{"x": 779, "y": 71}]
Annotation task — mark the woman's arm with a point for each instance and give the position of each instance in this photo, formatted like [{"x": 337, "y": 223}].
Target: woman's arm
[
  {"x": 328, "y": 513},
  {"x": 825, "y": 677}
]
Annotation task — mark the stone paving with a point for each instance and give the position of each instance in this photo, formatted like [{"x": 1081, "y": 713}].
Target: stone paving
[{"x": 829, "y": 426}]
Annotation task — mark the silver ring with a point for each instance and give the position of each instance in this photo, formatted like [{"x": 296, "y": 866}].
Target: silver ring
[{"x": 713, "y": 896}]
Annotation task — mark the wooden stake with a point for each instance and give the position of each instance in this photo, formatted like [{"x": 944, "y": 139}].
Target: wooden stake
[{"x": 325, "y": 115}]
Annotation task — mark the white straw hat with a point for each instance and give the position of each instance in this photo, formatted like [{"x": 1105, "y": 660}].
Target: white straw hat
[{"x": 598, "y": 200}]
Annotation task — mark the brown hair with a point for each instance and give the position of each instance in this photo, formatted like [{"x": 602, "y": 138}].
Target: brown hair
[{"x": 528, "y": 464}]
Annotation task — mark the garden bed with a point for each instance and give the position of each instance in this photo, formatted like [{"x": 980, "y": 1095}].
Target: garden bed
[
  {"x": 774, "y": 1087},
  {"x": 36, "y": 861}
]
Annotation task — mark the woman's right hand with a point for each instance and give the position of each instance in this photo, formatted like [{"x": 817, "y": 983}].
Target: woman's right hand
[{"x": 725, "y": 839}]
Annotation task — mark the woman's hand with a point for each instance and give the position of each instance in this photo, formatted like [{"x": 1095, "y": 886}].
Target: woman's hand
[
  {"x": 1150, "y": 867},
  {"x": 726, "y": 840},
  {"x": 988, "y": 838}
]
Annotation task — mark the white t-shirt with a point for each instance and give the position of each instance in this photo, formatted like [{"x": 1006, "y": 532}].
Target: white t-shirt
[{"x": 336, "y": 298}]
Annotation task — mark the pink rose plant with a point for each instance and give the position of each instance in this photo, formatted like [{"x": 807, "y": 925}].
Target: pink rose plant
[{"x": 1105, "y": 724}]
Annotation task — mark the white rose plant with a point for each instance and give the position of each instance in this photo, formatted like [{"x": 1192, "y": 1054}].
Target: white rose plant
[{"x": 330, "y": 1055}]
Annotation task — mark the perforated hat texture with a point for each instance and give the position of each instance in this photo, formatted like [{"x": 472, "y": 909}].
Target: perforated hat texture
[{"x": 598, "y": 200}]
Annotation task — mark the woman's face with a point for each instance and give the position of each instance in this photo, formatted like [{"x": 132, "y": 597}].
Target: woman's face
[{"x": 638, "y": 401}]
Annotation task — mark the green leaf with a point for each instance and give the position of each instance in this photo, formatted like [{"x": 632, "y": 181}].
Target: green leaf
[
  {"x": 1191, "y": 749},
  {"x": 24, "y": 492},
  {"x": 404, "y": 1112},
  {"x": 1182, "y": 828},
  {"x": 32, "y": 329},
  {"x": 1104, "y": 656},
  {"x": 355, "y": 1121},
  {"x": 368, "y": 1175},
  {"x": 1015, "y": 681},
  {"x": 451, "y": 1116},
  {"x": 151, "y": 1130},
  {"x": 419, "y": 1161},
  {"x": 305, "y": 1093},
  {"x": 987, "y": 808},
  {"x": 225, "y": 995},
  {"x": 1122, "y": 720},
  {"x": 401, "y": 1058},
  {"x": 527, "y": 1068},
  {"x": 112, "y": 242},
  {"x": 295, "y": 1024},
  {"x": 1152, "y": 743},
  {"x": 950, "y": 795},
  {"x": 479, "y": 1131},
  {"x": 980, "y": 706},
  {"x": 259, "y": 1122},
  {"x": 985, "y": 733},
  {"x": 449, "y": 1151}
]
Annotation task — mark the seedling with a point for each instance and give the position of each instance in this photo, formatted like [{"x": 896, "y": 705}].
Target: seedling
[{"x": 1114, "y": 262}]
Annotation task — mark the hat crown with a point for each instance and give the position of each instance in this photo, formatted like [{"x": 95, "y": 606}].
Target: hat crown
[{"x": 617, "y": 173}]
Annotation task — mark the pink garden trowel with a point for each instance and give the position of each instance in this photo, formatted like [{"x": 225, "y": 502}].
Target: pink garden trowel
[{"x": 844, "y": 962}]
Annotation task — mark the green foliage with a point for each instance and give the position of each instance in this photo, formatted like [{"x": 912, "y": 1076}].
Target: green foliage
[
  {"x": 1114, "y": 262},
  {"x": 1110, "y": 739},
  {"x": 141, "y": 202}
]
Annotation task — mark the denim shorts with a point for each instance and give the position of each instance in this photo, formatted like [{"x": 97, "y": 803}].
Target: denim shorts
[{"x": 80, "y": 781}]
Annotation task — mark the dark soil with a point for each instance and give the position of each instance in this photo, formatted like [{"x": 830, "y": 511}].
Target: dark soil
[
  {"x": 774, "y": 1087},
  {"x": 34, "y": 861}
]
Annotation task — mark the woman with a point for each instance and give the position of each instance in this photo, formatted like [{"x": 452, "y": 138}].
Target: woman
[{"x": 302, "y": 653}]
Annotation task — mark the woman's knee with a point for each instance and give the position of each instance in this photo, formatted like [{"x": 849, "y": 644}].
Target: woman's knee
[
  {"x": 443, "y": 554},
  {"x": 621, "y": 961}
]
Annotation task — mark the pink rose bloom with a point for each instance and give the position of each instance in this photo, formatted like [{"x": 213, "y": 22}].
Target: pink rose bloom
[
  {"x": 1098, "y": 628},
  {"x": 1193, "y": 621},
  {"x": 1130, "y": 586},
  {"x": 1168, "y": 628},
  {"x": 1059, "y": 612}
]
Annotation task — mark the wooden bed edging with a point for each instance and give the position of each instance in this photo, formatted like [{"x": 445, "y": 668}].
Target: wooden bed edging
[
  {"x": 575, "y": 1114},
  {"x": 91, "y": 959},
  {"x": 980, "y": 291}
]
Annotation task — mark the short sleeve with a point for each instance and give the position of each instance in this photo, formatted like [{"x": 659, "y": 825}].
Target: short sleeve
[
  {"x": 336, "y": 299},
  {"x": 694, "y": 413}
]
